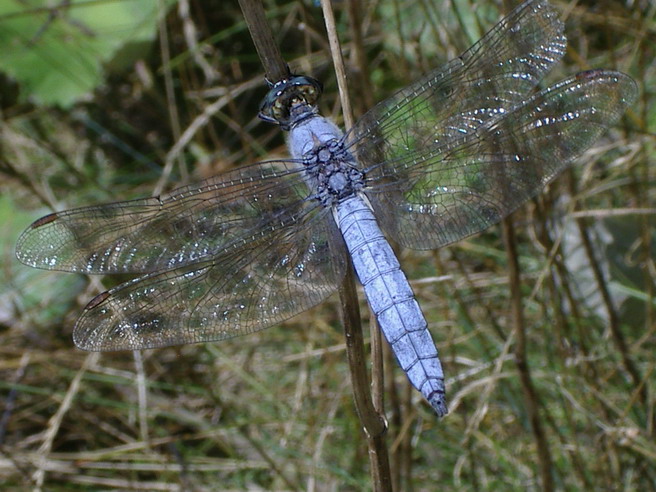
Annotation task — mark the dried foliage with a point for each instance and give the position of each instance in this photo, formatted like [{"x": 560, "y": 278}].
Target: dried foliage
[{"x": 273, "y": 411}]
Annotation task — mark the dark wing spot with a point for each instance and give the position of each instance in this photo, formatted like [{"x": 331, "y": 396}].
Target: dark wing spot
[
  {"x": 44, "y": 220},
  {"x": 589, "y": 74},
  {"x": 99, "y": 299}
]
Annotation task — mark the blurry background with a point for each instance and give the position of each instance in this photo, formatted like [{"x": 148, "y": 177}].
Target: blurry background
[{"x": 106, "y": 100}]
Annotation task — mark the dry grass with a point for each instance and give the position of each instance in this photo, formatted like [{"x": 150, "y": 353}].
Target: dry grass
[{"x": 273, "y": 411}]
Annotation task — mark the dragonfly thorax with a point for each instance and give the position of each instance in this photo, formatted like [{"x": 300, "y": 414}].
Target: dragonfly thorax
[{"x": 332, "y": 168}]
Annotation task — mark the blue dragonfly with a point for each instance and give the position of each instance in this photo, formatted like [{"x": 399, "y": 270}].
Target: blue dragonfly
[{"x": 440, "y": 160}]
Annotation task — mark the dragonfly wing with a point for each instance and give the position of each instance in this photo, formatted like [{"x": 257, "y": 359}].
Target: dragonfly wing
[
  {"x": 186, "y": 226},
  {"x": 241, "y": 290},
  {"x": 461, "y": 188},
  {"x": 499, "y": 71}
]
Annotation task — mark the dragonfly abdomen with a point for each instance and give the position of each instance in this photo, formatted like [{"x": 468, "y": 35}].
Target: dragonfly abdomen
[{"x": 391, "y": 299}]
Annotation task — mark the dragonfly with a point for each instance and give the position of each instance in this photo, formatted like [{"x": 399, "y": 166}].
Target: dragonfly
[{"x": 442, "y": 159}]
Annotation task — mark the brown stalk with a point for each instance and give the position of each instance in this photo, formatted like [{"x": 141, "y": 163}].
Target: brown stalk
[
  {"x": 368, "y": 409},
  {"x": 528, "y": 389},
  {"x": 275, "y": 67},
  {"x": 372, "y": 422},
  {"x": 613, "y": 317}
]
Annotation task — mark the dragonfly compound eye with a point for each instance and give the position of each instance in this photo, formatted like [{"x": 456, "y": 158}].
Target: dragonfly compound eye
[{"x": 285, "y": 95}]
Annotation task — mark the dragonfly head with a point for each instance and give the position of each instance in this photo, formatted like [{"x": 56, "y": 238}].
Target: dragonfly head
[{"x": 290, "y": 101}]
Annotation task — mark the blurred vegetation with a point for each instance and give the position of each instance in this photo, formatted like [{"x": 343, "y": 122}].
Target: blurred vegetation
[{"x": 113, "y": 99}]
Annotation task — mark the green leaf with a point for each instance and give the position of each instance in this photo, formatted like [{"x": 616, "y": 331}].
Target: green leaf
[{"x": 58, "y": 53}]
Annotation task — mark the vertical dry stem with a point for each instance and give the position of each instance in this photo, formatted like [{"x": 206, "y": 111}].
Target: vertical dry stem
[{"x": 528, "y": 389}]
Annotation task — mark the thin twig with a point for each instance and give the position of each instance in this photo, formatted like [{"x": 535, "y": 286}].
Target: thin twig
[
  {"x": 275, "y": 67},
  {"x": 338, "y": 62},
  {"x": 54, "y": 424},
  {"x": 372, "y": 421},
  {"x": 191, "y": 34},
  {"x": 609, "y": 304},
  {"x": 172, "y": 106},
  {"x": 528, "y": 389},
  {"x": 142, "y": 393}
]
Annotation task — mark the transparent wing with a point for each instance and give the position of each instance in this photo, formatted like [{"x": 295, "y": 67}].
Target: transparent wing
[
  {"x": 491, "y": 77},
  {"x": 188, "y": 225},
  {"x": 242, "y": 289},
  {"x": 460, "y": 188}
]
